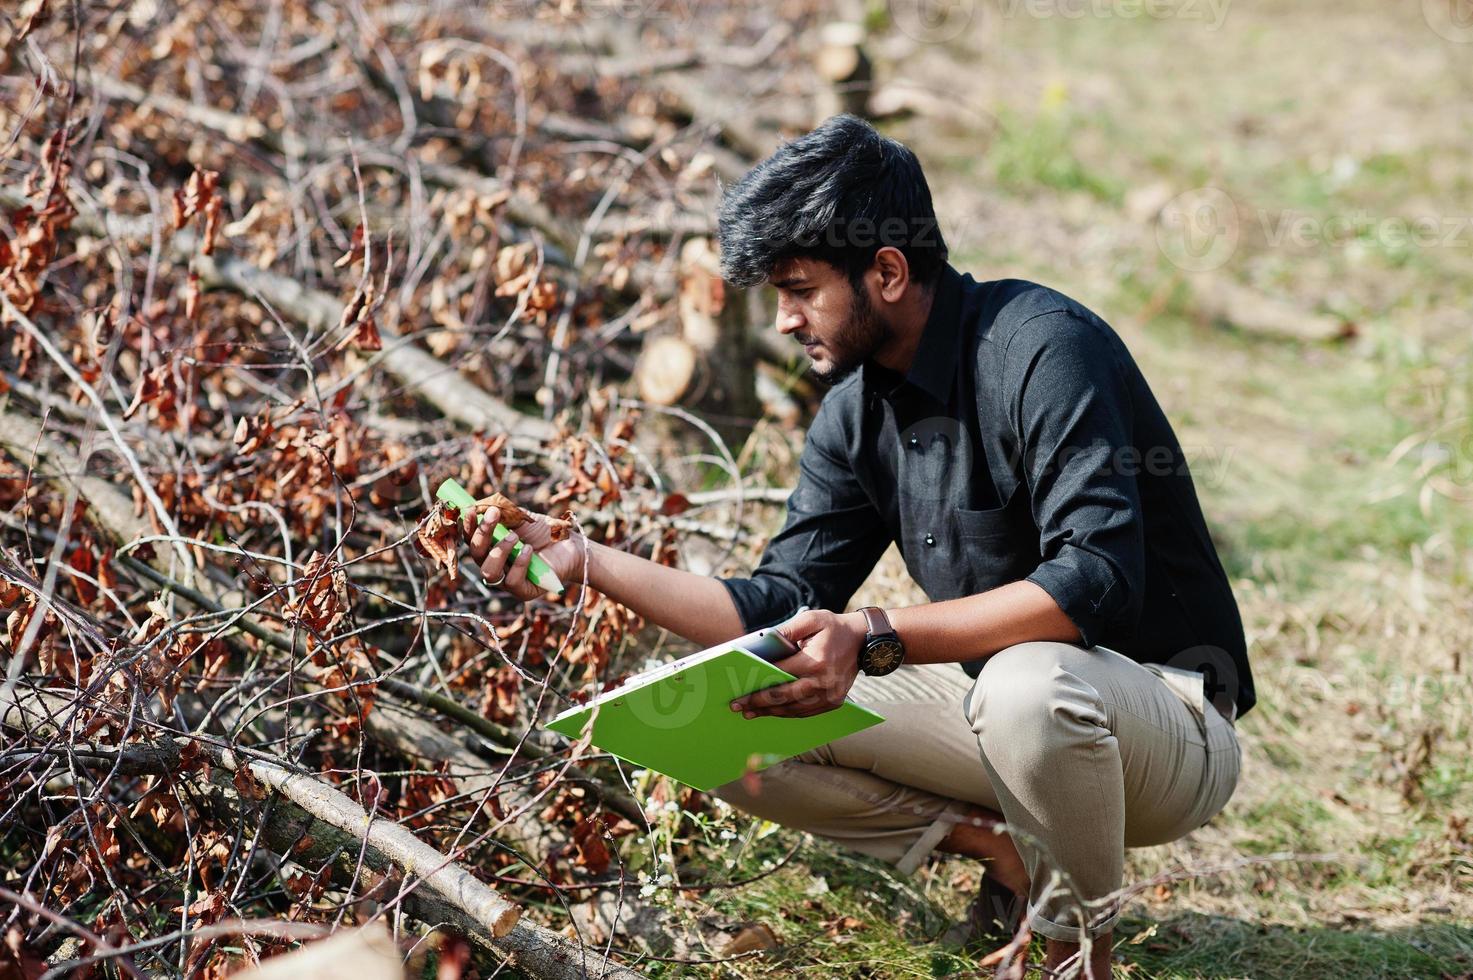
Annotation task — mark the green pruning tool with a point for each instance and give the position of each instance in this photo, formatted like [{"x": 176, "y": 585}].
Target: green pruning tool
[{"x": 539, "y": 572}]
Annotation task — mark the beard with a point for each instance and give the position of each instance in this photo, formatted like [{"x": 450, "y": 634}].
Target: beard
[{"x": 862, "y": 335}]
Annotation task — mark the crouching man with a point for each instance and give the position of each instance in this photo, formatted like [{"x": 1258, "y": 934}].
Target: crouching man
[{"x": 1071, "y": 687}]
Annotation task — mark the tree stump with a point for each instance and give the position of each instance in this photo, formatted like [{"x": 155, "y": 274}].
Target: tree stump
[
  {"x": 842, "y": 63},
  {"x": 708, "y": 367}
]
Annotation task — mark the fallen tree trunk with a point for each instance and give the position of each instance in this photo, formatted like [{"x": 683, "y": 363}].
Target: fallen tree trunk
[{"x": 1220, "y": 298}]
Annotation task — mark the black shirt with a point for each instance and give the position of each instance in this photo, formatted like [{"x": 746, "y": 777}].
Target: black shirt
[{"x": 1023, "y": 443}]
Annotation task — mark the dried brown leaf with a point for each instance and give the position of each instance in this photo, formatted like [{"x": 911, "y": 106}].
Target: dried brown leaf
[{"x": 437, "y": 537}]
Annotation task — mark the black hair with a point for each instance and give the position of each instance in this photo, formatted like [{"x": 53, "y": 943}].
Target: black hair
[{"x": 839, "y": 193}]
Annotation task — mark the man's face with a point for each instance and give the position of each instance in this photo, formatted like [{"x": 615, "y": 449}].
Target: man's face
[{"x": 834, "y": 321}]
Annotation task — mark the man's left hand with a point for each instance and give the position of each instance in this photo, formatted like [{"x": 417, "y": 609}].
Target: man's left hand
[{"x": 825, "y": 666}]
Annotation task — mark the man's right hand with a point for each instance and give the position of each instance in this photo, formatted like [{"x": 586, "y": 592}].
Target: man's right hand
[{"x": 565, "y": 557}]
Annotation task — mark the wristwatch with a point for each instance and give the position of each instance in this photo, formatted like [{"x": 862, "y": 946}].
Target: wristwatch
[{"x": 882, "y": 651}]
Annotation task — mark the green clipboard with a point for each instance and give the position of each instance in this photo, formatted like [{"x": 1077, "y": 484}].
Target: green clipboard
[{"x": 677, "y": 719}]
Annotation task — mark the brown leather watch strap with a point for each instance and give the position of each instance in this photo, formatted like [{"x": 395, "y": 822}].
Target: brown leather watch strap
[{"x": 876, "y": 621}]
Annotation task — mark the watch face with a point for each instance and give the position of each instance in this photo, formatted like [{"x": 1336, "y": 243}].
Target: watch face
[{"x": 885, "y": 656}]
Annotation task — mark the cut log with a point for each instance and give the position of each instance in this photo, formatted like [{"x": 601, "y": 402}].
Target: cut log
[
  {"x": 713, "y": 321},
  {"x": 666, "y": 370},
  {"x": 842, "y": 63},
  {"x": 356, "y": 954},
  {"x": 709, "y": 366},
  {"x": 1223, "y": 300}
]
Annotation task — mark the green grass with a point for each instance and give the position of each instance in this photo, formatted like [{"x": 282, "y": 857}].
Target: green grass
[
  {"x": 837, "y": 915},
  {"x": 1031, "y": 153},
  {"x": 1200, "y": 946}
]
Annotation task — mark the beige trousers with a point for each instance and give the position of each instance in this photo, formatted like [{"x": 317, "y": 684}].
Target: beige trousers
[{"x": 1083, "y": 752}]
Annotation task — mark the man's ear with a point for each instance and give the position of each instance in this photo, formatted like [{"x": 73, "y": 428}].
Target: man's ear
[{"x": 893, "y": 273}]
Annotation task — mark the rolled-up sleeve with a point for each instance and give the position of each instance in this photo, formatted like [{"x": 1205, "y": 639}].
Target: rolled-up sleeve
[
  {"x": 829, "y": 542},
  {"x": 1072, "y": 415}
]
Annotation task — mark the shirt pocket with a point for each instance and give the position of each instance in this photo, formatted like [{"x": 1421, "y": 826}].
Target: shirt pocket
[
  {"x": 982, "y": 525},
  {"x": 997, "y": 545}
]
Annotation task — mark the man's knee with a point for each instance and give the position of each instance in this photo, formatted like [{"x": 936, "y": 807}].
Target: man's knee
[
  {"x": 739, "y": 794},
  {"x": 1027, "y": 690},
  {"x": 774, "y": 793},
  {"x": 858, "y": 750},
  {"x": 1016, "y": 681},
  {"x": 736, "y": 794},
  {"x": 822, "y": 755}
]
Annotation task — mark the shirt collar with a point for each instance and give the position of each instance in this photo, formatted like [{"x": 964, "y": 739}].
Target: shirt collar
[{"x": 934, "y": 366}]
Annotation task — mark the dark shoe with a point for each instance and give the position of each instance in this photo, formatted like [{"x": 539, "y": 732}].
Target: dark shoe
[{"x": 992, "y": 920}]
